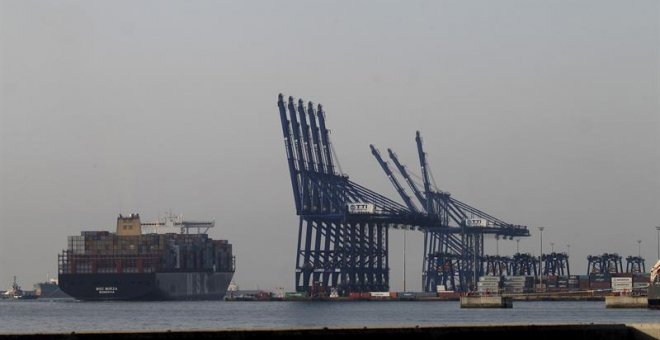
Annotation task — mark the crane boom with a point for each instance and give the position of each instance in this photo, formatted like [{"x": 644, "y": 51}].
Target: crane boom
[
  {"x": 290, "y": 156},
  {"x": 393, "y": 179},
  {"x": 315, "y": 138},
  {"x": 297, "y": 142},
  {"x": 425, "y": 172},
  {"x": 325, "y": 139},
  {"x": 406, "y": 176},
  {"x": 303, "y": 165},
  {"x": 307, "y": 141}
]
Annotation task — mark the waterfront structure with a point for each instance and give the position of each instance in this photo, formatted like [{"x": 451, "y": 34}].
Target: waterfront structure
[{"x": 343, "y": 226}]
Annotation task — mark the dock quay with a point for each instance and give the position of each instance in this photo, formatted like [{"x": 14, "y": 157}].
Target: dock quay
[
  {"x": 486, "y": 302},
  {"x": 588, "y": 295},
  {"x": 552, "y": 331},
  {"x": 624, "y": 301}
]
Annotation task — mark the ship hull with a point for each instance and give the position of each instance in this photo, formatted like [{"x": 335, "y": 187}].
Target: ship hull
[
  {"x": 654, "y": 296},
  {"x": 146, "y": 286}
]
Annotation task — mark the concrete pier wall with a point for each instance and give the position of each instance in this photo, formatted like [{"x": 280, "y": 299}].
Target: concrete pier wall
[
  {"x": 536, "y": 332},
  {"x": 486, "y": 302},
  {"x": 626, "y": 302}
]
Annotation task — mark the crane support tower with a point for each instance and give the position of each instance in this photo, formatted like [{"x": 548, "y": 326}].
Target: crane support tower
[
  {"x": 343, "y": 226},
  {"x": 635, "y": 265},
  {"x": 604, "y": 264},
  {"x": 556, "y": 264},
  {"x": 497, "y": 265},
  {"x": 524, "y": 264},
  {"x": 453, "y": 231}
]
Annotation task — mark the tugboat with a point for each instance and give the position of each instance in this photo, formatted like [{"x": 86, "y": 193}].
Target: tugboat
[
  {"x": 16, "y": 293},
  {"x": 654, "y": 287}
]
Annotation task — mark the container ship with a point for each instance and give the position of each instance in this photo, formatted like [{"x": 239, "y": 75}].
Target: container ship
[{"x": 169, "y": 259}]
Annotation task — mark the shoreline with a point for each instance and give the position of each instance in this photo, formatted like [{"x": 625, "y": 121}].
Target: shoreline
[{"x": 511, "y": 331}]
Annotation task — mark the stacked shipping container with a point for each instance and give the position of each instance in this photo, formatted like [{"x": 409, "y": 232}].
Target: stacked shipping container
[{"x": 104, "y": 252}]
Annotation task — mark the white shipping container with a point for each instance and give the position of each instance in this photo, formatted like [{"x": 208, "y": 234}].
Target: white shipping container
[
  {"x": 489, "y": 281},
  {"x": 622, "y": 284},
  {"x": 621, "y": 279},
  {"x": 489, "y": 278},
  {"x": 380, "y": 294},
  {"x": 490, "y": 290},
  {"x": 621, "y": 289},
  {"x": 641, "y": 285},
  {"x": 440, "y": 288}
]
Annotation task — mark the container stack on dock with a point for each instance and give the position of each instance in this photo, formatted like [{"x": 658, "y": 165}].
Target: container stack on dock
[
  {"x": 489, "y": 284},
  {"x": 518, "y": 284},
  {"x": 295, "y": 296},
  {"x": 583, "y": 282},
  {"x": 622, "y": 284},
  {"x": 426, "y": 295},
  {"x": 600, "y": 281},
  {"x": 641, "y": 283}
]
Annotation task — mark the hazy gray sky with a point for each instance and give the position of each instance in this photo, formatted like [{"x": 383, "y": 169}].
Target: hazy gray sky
[{"x": 544, "y": 113}]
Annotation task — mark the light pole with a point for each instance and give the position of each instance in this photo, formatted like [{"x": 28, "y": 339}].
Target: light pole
[
  {"x": 497, "y": 245},
  {"x": 541, "y": 261},
  {"x": 552, "y": 247},
  {"x": 474, "y": 262},
  {"x": 518, "y": 246},
  {"x": 568, "y": 256},
  {"x": 404, "y": 260},
  {"x": 639, "y": 248}
]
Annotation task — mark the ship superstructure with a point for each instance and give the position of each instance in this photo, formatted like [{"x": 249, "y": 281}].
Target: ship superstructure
[{"x": 654, "y": 287}]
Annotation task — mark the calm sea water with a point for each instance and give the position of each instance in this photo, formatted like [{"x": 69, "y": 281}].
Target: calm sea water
[{"x": 60, "y": 316}]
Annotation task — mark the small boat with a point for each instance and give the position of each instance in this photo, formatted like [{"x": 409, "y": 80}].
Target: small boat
[{"x": 17, "y": 293}]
